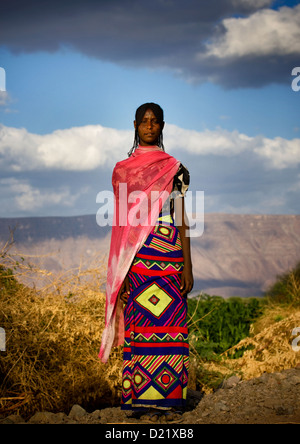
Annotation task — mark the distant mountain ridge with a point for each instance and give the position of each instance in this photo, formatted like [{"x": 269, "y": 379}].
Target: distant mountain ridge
[
  {"x": 33, "y": 229},
  {"x": 237, "y": 255}
]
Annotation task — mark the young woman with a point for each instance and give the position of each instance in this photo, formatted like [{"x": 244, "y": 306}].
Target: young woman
[{"x": 149, "y": 272}]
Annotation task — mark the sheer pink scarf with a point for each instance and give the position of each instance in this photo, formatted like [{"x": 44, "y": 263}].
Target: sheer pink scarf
[{"x": 141, "y": 184}]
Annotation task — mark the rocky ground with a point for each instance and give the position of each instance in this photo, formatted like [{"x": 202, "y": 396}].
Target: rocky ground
[{"x": 273, "y": 398}]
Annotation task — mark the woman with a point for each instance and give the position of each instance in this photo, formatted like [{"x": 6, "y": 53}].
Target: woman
[{"x": 150, "y": 271}]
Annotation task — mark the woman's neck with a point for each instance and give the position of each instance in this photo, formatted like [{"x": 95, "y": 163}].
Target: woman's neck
[{"x": 149, "y": 148}]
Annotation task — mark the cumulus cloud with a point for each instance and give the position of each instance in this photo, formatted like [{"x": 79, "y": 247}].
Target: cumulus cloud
[
  {"x": 279, "y": 153},
  {"x": 234, "y": 43},
  {"x": 265, "y": 32},
  {"x": 22, "y": 196},
  {"x": 62, "y": 172},
  {"x": 74, "y": 149},
  {"x": 89, "y": 147},
  {"x": 219, "y": 142}
]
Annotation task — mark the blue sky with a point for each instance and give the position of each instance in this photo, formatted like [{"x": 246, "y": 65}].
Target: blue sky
[
  {"x": 64, "y": 89},
  {"x": 76, "y": 73}
]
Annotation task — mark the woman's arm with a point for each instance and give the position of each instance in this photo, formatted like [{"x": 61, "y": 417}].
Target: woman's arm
[
  {"x": 181, "y": 221},
  {"x": 124, "y": 291}
]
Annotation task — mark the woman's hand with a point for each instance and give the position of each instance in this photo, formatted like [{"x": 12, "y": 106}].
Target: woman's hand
[
  {"x": 124, "y": 291},
  {"x": 187, "y": 281}
]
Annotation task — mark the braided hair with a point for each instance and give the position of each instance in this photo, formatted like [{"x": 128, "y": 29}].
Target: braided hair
[{"x": 139, "y": 114}]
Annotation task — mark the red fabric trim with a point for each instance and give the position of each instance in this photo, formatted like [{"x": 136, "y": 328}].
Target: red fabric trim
[
  {"x": 141, "y": 270},
  {"x": 161, "y": 344},
  {"x": 168, "y": 329}
]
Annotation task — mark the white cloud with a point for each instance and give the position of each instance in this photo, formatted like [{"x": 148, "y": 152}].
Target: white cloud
[
  {"x": 219, "y": 142},
  {"x": 28, "y": 198},
  {"x": 279, "y": 153},
  {"x": 262, "y": 33},
  {"x": 90, "y": 147},
  {"x": 75, "y": 149},
  {"x": 238, "y": 173}
]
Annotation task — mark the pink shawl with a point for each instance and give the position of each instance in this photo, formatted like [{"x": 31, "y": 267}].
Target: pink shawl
[{"x": 141, "y": 185}]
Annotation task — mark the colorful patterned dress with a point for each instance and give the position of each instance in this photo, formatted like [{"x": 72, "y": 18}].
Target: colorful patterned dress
[{"x": 156, "y": 349}]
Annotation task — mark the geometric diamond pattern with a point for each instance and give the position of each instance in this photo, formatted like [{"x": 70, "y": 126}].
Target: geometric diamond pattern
[
  {"x": 126, "y": 383},
  {"x": 158, "y": 306},
  {"x": 170, "y": 265},
  {"x": 156, "y": 349},
  {"x": 154, "y": 299},
  {"x": 165, "y": 232},
  {"x": 165, "y": 378},
  {"x": 140, "y": 379}
]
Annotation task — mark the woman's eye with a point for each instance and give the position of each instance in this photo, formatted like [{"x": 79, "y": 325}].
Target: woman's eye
[{"x": 153, "y": 122}]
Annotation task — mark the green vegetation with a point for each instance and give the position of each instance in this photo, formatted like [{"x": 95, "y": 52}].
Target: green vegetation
[
  {"x": 217, "y": 324},
  {"x": 53, "y": 337},
  {"x": 8, "y": 283}
]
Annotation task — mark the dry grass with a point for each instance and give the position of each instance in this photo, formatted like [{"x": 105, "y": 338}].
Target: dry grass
[
  {"x": 54, "y": 325},
  {"x": 52, "y": 341},
  {"x": 268, "y": 349},
  {"x": 53, "y": 335},
  {"x": 271, "y": 349}
]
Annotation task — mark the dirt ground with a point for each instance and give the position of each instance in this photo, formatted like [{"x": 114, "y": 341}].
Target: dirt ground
[{"x": 272, "y": 398}]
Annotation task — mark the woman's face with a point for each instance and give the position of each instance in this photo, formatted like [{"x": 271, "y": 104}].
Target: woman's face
[{"x": 149, "y": 129}]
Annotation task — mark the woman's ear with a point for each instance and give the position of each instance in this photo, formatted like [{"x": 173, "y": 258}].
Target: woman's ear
[{"x": 134, "y": 123}]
